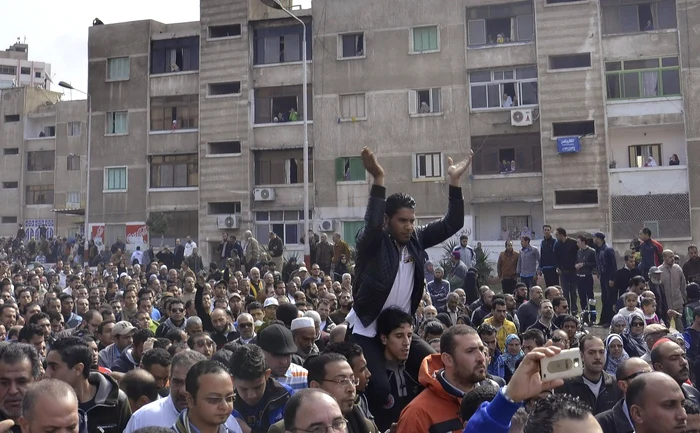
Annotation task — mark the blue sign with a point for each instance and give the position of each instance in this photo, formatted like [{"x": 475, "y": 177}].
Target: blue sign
[{"x": 568, "y": 145}]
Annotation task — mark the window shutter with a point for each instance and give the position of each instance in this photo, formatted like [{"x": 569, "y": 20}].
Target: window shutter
[
  {"x": 477, "y": 32},
  {"x": 339, "y": 164},
  {"x": 436, "y": 106},
  {"x": 357, "y": 170},
  {"x": 412, "y": 104}
]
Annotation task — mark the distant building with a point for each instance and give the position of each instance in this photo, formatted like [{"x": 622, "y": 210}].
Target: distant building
[{"x": 17, "y": 70}]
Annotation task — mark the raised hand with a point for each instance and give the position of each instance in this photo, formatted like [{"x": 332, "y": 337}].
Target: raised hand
[
  {"x": 369, "y": 161},
  {"x": 526, "y": 381},
  {"x": 455, "y": 171}
]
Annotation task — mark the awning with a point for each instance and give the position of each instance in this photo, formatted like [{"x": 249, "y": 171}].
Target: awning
[{"x": 72, "y": 211}]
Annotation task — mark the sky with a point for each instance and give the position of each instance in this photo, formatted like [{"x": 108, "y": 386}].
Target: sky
[{"x": 58, "y": 35}]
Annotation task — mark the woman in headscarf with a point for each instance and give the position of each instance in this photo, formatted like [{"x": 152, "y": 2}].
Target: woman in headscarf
[
  {"x": 512, "y": 355},
  {"x": 614, "y": 353},
  {"x": 618, "y": 324},
  {"x": 651, "y": 162},
  {"x": 633, "y": 336}
]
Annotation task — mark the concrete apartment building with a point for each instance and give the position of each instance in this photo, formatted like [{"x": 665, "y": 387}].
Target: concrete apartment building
[
  {"x": 43, "y": 163},
  {"x": 17, "y": 70}
]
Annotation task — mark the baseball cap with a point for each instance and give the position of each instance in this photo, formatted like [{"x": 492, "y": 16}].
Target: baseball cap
[
  {"x": 277, "y": 340},
  {"x": 235, "y": 295},
  {"x": 123, "y": 328},
  {"x": 270, "y": 301},
  {"x": 303, "y": 269},
  {"x": 123, "y": 274},
  {"x": 655, "y": 328},
  {"x": 654, "y": 270},
  {"x": 599, "y": 235}
]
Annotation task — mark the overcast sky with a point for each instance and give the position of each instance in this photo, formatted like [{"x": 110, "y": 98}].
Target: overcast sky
[{"x": 58, "y": 34}]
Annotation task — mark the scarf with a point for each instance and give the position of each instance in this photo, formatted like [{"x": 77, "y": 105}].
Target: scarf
[
  {"x": 170, "y": 325},
  {"x": 635, "y": 342},
  {"x": 616, "y": 320},
  {"x": 508, "y": 359},
  {"x": 611, "y": 363},
  {"x": 182, "y": 424}
]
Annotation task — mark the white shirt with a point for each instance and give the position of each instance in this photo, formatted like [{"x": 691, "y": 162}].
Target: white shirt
[
  {"x": 162, "y": 413},
  {"x": 594, "y": 387},
  {"x": 399, "y": 296},
  {"x": 137, "y": 255},
  {"x": 189, "y": 247}
]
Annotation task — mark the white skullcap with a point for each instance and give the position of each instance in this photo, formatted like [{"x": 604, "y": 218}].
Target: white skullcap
[{"x": 302, "y": 323}]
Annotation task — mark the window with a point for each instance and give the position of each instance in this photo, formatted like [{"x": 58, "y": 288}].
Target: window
[
  {"x": 352, "y": 106},
  {"x": 288, "y": 225},
  {"x": 118, "y": 69},
  {"x": 224, "y": 31},
  {"x": 350, "y": 229},
  {"x": 8, "y": 70},
  {"x": 224, "y": 207},
  {"x": 425, "y": 39},
  {"x": 576, "y": 197},
  {"x": 352, "y": 45},
  {"x": 175, "y": 55},
  {"x": 73, "y": 162},
  {"x": 281, "y": 167},
  {"x": 623, "y": 16},
  {"x": 514, "y": 227},
  {"x": 509, "y": 153},
  {"x": 570, "y": 61},
  {"x": 500, "y": 24},
  {"x": 115, "y": 178},
  {"x": 117, "y": 123},
  {"x": 427, "y": 165},
  {"x": 648, "y": 78},
  {"x": 503, "y": 88},
  {"x": 8, "y": 220},
  {"x": 225, "y": 148},
  {"x": 174, "y": 171},
  {"x": 39, "y": 194},
  {"x": 43, "y": 160},
  {"x": 280, "y": 44},
  {"x": 73, "y": 128},
  {"x": 174, "y": 112},
  {"x": 580, "y": 129},
  {"x": 37, "y": 75},
  {"x": 73, "y": 200},
  {"x": 11, "y": 118},
  {"x": 9, "y": 185},
  {"x": 228, "y": 88},
  {"x": 424, "y": 101},
  {"x": 48, "y": 131},
  {"x": 11, "y": 151},
  {"x": 26, "y": 71},
  {"x": 349, "y": 169},
  {"x": 639, "y": 154},
  {"x": 281, "y": 104}
]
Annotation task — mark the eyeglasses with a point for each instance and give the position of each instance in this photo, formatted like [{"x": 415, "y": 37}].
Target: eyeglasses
[
  {"x": 208, "y": 343},
  {"x": 557, "y": 339},
  {"x": 346, "y": 381},
  {"x": 215, "y": 401},
  {"x": 633, "y": 375},
  {"x": 245, "y": 325},
  {"x": 177, "y": 310},
  {"x": 338, "y": 426}
]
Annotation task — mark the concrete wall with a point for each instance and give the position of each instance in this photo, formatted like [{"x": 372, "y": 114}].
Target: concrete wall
[
  {"x": 487, "y": 219},
  {"x": 671, "y": 138}
]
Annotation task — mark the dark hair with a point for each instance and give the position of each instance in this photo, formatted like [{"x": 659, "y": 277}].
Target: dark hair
[
  {"x": 232, "y": 346},
  {"x": 561, "y": 231},
  {"x": 646, "y": 231},
  {"x": 692, "y": 290},
  {"x": 549, "y": 410},
  {"x": 398, "y": 201},
  {"x": 485, "y": 329},
  {"x": 153, "y": 430},
  {"x": 156, "y": 356},
  {"x": 498, "y": 301},
  {"x": 138, "y": 383},
  {"x": 582, "y": 238},
  {"x": 392, "y": 318},
  {"x": 18, "y": 352},
  {"x": 473, "y": 399},
  {"x": 637, "y": 280},
  {"x": 647, "y": 301},
  {"x": 38, "y": 316},
  {"x": 74, "y": 350},
  {"x": 557, "y": 300},
  {"x": 91, "y": 314},
  {"x": 200, "y": 369},
  {"x": 349, "y": 350},
  {"x": 174, "y": 335},
  {"x": 286, "y": 313},
  {"x": 317, "y": 366},
  {"x": 223, "y": 356},
  {"x": 161, "y": 343},
  {"x": 585, "y": 339},
  {"x": 29, "y": 331},
  {"x": 546, "y": 226},
  {"x": 447, "y": 340},
  {"x": 535, "y": 335},
  {"x": 690, "y": 407},
  {"x": 294, "y": 403},
  {"x": 444, "y": 318},
  {"x": 255, "y": 305},
  {"x": 463, "y": 236},
  {"x": 248, "y": 363},
  {"x": 433, "y": 327},
  {"x": 53, "y": 316},
  {"x": 568, "y": 318},
  {"x": 525, "y": 238},
  {"x": 65, "y": 296},
  {"x": 193, "y": 337}
]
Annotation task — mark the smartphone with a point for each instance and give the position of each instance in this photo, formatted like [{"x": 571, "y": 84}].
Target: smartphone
[{"x": 566, "y": 364}]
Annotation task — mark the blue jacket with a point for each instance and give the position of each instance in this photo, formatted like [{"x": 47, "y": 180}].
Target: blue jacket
[
  {"x": 267, "y": 411},
  {"x": 493, "y": 417},
  {"x": 438, "y": 295},
  {"x": 606, "y": 261}
]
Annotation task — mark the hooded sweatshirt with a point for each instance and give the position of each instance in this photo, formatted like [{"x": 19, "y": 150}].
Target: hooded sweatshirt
[
  {"x": 109, "y": 410},
  {"x": 126, "y": 362}
]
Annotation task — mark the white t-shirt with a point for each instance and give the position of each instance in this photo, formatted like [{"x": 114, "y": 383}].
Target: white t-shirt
[
  {"x": 594, "y": 387},
  {"x": 399, "y": 296}
]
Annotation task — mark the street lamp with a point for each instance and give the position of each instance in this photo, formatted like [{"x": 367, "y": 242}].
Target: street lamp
[
  {"x": 275, "y": 4},
  {"x": 87, "y": 185}
]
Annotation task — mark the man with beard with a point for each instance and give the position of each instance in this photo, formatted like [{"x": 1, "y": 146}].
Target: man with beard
[
  {"x": 157, "y": 362},
  {"x": 345, "y": 300},
  {"x": 19, "y": 367},
  {"x": 447, "y": 377},
  {"x": 668, "y": 357},
  {"x": 484, "y": 310},
  {"x": 691, "y": 268},
  {"x": 353, "y": 353},
  {"x": 655, "y": 404},
  {"x": 520, "y": 294},
  {"x": 674, "y": 285},
  {"x": 506, "y": 266},
  {"x": 595, "y": 387},
  {"x": 615, "y": 420},
  {"x": 544, "y": 323},
  {"x": 304, "y": 332},
  {"x": 528, "y": 312},
  {"x": 438, "y": 289},
  {"x": 246, "y": 327},
  {"x": 176, "y": 320}
]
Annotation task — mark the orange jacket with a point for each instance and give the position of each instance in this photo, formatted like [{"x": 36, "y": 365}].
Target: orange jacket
[{"x": 435, "y": 409}]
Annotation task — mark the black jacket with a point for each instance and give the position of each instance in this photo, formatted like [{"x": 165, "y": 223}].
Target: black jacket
[
  {"x": 547, "y": 258},
  {"x": 691, "y": 393},
  {"x": 268, "y": 411},
  {"x": 110, "y": 412},
  {"x": 614, "y": 420},
  {"x": 623, "y": 277},
  {"x": 378, "y": 257},
  {"x": 608, "y": 395},
  {"x": 565, "y": 255},
  {"x": 179, "y": 253}
]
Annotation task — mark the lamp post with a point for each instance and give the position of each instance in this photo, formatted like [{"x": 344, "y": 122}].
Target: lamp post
[
  {"x": 87, "y": 182},
  {"x": 275, "y": 4}
]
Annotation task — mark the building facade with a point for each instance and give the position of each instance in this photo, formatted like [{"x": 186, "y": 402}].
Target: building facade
[{"x": 17, "y": 70}]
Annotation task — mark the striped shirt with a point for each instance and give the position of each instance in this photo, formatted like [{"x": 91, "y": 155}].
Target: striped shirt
[{"x": 296, "y": 377}]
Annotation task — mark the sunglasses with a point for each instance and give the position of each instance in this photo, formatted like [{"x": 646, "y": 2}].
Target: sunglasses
[
  {"x": 633, "y": 375},
  {"x": 177, "y": 310},
  {"x": 245, "y": 325}
]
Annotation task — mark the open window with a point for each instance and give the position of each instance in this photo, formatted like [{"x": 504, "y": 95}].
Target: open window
[
  {"x": 352, "y": 45},
  {"x": 281, "y": 104},
  {"x": 500, "y": 24},
  {"x": 425, "y": 101}
]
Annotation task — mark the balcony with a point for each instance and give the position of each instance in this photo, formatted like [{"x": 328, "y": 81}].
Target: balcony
[
  {"x": 512, "y": 187},
  {"x": 40, "y": 126},
  {"x": 281, "y": 135},
  {"x": 178, "y": 83},
  {"x": 649, "y": 181}
]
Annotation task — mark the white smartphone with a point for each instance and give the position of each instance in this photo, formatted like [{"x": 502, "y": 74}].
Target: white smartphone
[{"x": 566, "y": 364}]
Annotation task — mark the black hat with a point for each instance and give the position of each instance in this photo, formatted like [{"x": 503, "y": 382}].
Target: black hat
[
  {"x": 277, "y": 340},
  {"x": 599, "y": 235}
]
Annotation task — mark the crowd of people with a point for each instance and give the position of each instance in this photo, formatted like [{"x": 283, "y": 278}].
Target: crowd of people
[{"x": 379, "y": 344}]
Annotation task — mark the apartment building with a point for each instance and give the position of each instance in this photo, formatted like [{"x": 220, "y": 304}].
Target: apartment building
[
  {"x": 43, "y": 164},
  {"x": 17, "y": 70}
]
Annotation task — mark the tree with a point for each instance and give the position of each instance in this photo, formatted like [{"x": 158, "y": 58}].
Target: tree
[{"x": 158, "y": 223}]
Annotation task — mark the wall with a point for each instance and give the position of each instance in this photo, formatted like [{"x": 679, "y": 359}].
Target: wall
[
  {"x": 487, "y": 219},
  {"x": 671, "y": 138}
]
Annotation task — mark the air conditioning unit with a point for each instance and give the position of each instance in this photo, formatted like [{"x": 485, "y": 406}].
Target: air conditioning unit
[
  {"x": 326, "y": 225},
  {"x": 227, "y": 222},
  {"x": 521, "y": 117},
  {"x": 264, "y": 194}
]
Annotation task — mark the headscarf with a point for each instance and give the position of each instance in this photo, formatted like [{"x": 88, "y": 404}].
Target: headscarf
[
  {"x": 634, "y": 344},
  {"x": 508, "y": 359},
  {"x": 617, "y": 318},
  {"x": 611, "y": 363}
]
